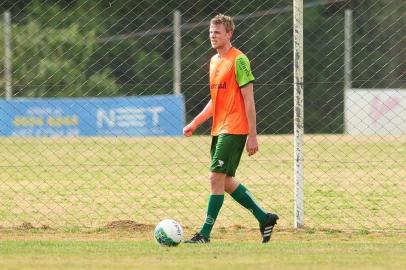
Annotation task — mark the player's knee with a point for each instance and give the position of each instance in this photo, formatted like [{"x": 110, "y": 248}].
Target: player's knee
[
  {"x": 214, "y": 179},
  {"x": 228, "y": 188},
  {"x": 230, "y": 185},
  {"x": 217, "y": 182}
]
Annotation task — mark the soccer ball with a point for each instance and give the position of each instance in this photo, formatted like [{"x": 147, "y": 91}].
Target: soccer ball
[{"x": 168, "y": 232}]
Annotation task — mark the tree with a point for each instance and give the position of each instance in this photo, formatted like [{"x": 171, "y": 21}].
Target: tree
[{"x": 54, "y": 62}]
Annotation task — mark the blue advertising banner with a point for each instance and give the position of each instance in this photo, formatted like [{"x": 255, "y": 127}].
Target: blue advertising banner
[{"x": 122, "y": 116}]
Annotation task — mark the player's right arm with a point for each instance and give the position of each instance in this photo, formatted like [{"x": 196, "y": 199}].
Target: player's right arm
[{"x": 205, "y": 114}]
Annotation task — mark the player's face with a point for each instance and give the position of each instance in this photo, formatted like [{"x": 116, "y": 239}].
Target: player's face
[{"x": 219, "y": 37}]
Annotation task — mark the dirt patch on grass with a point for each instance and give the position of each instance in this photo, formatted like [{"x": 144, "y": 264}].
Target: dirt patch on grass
[
  {"x": 128, "y": 225},
  {"x": 25, "y": 226}
]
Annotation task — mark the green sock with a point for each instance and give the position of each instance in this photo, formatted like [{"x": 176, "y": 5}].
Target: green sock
[
  {"x": 213, "y": 209},
  {"x": 245, "y": 198}
]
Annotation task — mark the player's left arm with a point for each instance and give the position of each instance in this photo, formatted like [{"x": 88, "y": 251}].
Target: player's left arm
[
  {"x": 248, "y": 95},
  {"x": 245, "y": 80}
]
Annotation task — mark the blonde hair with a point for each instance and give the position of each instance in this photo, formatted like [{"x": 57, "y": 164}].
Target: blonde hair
[{"x": 227, "y": 21}]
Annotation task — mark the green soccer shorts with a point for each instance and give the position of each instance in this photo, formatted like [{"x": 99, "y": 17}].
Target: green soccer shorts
[{"x": 226, "y": 151}]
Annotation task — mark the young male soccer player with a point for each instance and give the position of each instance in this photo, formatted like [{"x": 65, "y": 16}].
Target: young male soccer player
[{"x": 234, "y": 126}]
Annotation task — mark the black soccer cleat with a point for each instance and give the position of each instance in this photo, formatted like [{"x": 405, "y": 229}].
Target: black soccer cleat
[
  {"x": 267, "y": 228},
  {"x": 198, "y": 238}
]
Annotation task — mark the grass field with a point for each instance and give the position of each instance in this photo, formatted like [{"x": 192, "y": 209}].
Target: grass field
[
  {"x": 232, "y": 249},
  {"x": 351, "y": 183},
  {"x": 91, "y": 203}
]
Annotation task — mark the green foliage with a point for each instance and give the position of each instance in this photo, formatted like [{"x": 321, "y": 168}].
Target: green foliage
[{"x": 53, "y": 62}]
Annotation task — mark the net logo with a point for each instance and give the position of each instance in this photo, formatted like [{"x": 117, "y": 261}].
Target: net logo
[{"x": 127, "y": 117}]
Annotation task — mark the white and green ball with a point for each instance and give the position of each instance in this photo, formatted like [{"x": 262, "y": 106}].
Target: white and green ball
[{"x": 168, "y": 232}]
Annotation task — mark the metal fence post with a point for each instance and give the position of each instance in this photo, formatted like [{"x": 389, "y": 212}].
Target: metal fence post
[
  {"x": 177, "y": 52},
  {"x": 347, "y": 48},
  {"x": 7, "y": 55},
  {"x": 298, "y": 113}
]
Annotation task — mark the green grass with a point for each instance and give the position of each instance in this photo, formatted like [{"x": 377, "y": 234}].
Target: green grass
[
  {"x": 231, "y": 249},
  {"x": 351, "y": 183},
  {"x": 70, "y": 188}
]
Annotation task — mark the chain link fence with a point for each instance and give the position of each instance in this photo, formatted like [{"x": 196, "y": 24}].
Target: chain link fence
[{"x": 90, "y": 127}]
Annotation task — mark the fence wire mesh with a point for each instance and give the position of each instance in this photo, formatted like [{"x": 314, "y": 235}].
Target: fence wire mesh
[{"x": 355, "y": 128}]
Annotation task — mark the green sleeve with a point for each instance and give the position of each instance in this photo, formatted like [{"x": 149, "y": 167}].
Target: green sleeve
[{"x": 243, "y": 72}]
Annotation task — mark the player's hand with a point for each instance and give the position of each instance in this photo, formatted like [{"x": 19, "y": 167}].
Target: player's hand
[
  {"x": 188, "y": 130},
  {"x": 252, "y": 145}
]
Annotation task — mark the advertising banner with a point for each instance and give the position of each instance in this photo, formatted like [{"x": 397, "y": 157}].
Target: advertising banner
[
  {"x": 122, "y": 116},
  {"x": 375, "y": 111}
]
